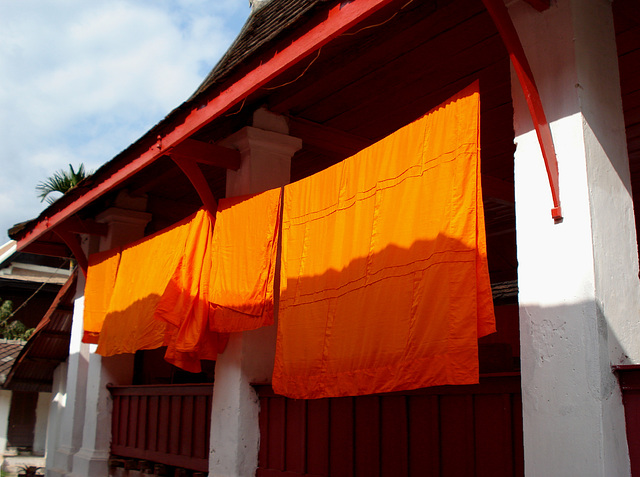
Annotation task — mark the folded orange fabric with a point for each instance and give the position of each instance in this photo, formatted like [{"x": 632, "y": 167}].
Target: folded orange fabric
[
  {"x": 385, "y": 283},
  {"x": 245, "y": 242},
  {"x": 101, "y": 278},
  {"x": 184, "y": 304},
  {"x": 143, "y": 274},
  {"x": 224, "y": 281}
]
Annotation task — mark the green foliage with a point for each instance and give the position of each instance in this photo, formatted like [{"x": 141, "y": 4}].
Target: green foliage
[
  {"x": 12, "y": 329},
  {"x": 61, "y": 181},
  {"x": 6, "y": 308}
]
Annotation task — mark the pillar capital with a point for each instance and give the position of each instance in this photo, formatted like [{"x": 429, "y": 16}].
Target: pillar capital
[
  {"x": 125, "y": 226},
  {"x": 265, "y": 160}
]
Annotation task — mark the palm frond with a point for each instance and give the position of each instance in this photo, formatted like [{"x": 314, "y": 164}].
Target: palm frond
[{"x": 61, "y": 181}]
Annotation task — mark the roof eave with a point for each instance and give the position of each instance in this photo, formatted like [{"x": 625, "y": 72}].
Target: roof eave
[{"x": 339, "y": 19}]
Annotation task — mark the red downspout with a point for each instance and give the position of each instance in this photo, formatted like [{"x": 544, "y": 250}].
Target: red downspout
[{"x": 507, "y": 30}]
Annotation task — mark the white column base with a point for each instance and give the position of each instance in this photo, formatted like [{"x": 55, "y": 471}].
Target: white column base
[{"x": 90, "y": 463}]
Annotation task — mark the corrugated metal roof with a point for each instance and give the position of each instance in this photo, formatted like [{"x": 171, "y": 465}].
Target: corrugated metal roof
[{"x": 47, "y": 347}]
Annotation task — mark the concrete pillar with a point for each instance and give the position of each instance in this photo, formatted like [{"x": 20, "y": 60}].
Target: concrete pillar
[
  {"x": 125, "y": 226},
  {"x": 56, "y": 409},
  {"x": 70, "y": 438},
  {"x": 40, "y": 431},
  {"x": 266, "y": 152},
  {"x": 578, "y": 280}
]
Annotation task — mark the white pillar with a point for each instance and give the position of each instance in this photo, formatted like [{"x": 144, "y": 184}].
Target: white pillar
[
  {"x": 56, "y": 409},
  {"x": 40, "y": 431},
  {"x": 70, "y": 438},
  {"x": 578, "y": 280},
  {"x": 235, "y": 434},
  {"x": 92, "y": 459}
]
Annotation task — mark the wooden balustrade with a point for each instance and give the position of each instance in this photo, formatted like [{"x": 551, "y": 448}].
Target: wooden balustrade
[
  {"x": 440, "y": 431},
  {"x": 167, "y": 424}
]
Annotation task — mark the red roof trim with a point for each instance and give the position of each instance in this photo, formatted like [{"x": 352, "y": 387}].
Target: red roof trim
[{"x": 340, "y": 18}]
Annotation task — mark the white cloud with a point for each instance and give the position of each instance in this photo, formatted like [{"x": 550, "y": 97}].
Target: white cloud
[{"x": 80, "y": 81}]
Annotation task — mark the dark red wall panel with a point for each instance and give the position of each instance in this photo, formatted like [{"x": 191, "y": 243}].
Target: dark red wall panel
[{"x": 444, "y": 431}]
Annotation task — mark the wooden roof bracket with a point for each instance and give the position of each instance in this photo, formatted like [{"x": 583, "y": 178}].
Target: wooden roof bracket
[
  {"x": 507, "y": 30},
  {"x": 190, "y": 152},
  {"x": 194, "y": 173},
  {"x": 68, "y": 232},
  {"x": 73, "y": 242}
]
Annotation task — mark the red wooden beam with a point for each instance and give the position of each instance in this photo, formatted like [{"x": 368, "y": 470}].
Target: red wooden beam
[
  {"x": 338, "y": 20},
  {"x": 206, "y": 153},
  {"x": 507, "y": 30},
  {"x": 50, "y": 249},
  {"x": 87, "y": 226},
  {"x": 326, "y": 138}
]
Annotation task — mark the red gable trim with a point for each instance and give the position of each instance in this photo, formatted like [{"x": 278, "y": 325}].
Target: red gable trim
[{"x": 340, "y": 18}]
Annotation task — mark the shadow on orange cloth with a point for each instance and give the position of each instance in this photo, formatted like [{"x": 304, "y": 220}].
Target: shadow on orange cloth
[
  {"x": 143, "y": 274},
  {"x": 385, "y": 283},
  {"x": 224, "y": 281},
  {"x": 184, "y": 305}
]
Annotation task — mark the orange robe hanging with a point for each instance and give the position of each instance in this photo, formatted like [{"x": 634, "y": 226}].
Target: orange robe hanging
[
  {"x": 224, "y": 282},
  {"x": 244, "y": 248},
  {"x": 184, "y": 304},
  {"x": 101, "y": 278},
  {"x": 143, "y": 274},
  {"x": 385, "y": 283}
]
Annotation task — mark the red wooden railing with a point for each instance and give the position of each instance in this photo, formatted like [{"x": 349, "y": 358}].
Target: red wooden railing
[
  {"x": 629, "y": 377},
  {"x": 441, "y": 431},
  {"x": 167, "y": 424}
]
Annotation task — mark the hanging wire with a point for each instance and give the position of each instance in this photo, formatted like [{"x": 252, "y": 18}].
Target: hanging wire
[
  {"x": 300, "y": 75},
  {"x": 378, "y": 24},
  {"x": 241, "y": 106}
]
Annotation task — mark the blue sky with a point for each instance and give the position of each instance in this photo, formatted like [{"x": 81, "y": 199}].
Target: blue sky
[{"x": 81, "y": 80}]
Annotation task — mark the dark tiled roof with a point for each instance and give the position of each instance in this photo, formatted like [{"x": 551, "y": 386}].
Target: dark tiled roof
[
  {"x": 262, "y": 26},
  {"x": 9, "y": 351}
]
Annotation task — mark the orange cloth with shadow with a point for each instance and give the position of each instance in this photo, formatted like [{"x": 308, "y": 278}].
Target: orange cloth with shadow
[
  {"x": 224, "y": 281},
  {"x": 184, "y": 304},
  {"x": 244, "y": 248},
  {"x": 385, "y": 283},
  {"x": 145, "y": 269},
  {"x": 101, "y": 278}
]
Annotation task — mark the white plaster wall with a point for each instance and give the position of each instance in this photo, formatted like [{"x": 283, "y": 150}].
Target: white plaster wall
[
  {"x": 567, "y": 272},
  {"x": 40, "y": 431},
  {"x": 5, "y": 405}
]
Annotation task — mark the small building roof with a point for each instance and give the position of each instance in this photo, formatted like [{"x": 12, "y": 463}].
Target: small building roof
[{"x": 9, "y": 351}]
